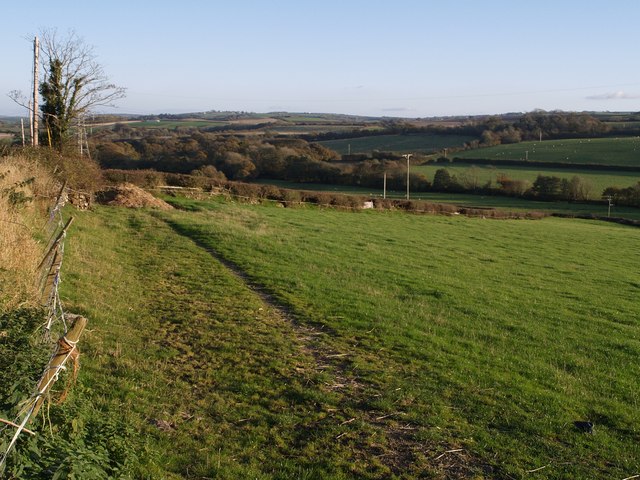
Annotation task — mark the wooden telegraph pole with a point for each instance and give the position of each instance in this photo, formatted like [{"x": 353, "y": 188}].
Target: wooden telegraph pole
[
  {"x": 408, "y": 156},
  {"x": 34, "y": 112}
]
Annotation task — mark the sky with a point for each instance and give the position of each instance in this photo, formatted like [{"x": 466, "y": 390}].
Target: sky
[{"x": 399, "y": 58}]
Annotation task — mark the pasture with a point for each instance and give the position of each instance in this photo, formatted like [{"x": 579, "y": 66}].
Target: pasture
[
  {"x": 481, "y": 174},
  {"x": 620, "y": 151},
  {"x": 250, "y": 341},
  {"x": 193, "y": 123},
  {"x": 470, "y": 200},
  {"x": 413, "y": 143}
]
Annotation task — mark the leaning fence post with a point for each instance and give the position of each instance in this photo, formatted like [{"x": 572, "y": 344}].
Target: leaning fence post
[{"x": 66, "y": 349}]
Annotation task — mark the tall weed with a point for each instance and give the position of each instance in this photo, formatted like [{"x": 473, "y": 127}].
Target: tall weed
[{"x": 26, "y": 189}]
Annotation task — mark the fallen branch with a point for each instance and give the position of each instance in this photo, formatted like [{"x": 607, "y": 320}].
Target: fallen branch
[
  {"x": 536, "y": 469},
  {"x": 30, "y": 432},
  {"x": 449, "y": 451}
]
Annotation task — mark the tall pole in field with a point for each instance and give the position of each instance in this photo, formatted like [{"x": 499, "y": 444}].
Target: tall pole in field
[
  {"x": 36, "y": 54},
  {"x": 384, "y": 186},
  {"x": 407, "y": 156}
]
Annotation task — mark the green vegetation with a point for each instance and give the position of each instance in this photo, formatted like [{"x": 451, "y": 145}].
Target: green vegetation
[
  {"x": 399, "y": 338},
  {"x": 488, "y": 336},
  {"x": 622, "y": 151},
  {"x": 425, "y": 143},
  {"x": 481, "y": 174},
  {"x": 517, "y": 204},
  {"x": 176, "y": 124}
]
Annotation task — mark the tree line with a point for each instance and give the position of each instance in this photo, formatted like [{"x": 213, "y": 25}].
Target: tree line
[{"x": 227, "y": 157}]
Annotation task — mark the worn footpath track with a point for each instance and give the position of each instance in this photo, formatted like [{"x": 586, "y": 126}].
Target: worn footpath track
[{"x": 397, "y": 446}]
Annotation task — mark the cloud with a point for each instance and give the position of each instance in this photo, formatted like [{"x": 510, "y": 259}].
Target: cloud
[{"x": 619, "y": 95}]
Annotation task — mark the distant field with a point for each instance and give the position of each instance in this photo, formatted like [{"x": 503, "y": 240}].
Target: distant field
[
  {"x": 484, "y": 173},
  {"x": 313, "y": 128},
  {"x": 485, "y": 201},
  {"x": 177, "y": 123},
  {"x": 623, "y": 151},
  {"x": 424, "y": 143}
]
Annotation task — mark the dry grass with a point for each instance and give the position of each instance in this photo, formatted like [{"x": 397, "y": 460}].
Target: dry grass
[{"x": 26, "y": 190}]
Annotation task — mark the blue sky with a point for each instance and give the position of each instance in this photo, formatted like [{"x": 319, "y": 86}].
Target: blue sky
[{"x": 402, "y": 58}]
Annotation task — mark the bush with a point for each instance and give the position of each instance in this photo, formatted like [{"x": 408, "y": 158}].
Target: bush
[
  {"x": 141, "y": 178},
  {"x": 245, "y": 190},
  {"x": 290, "y": 196}
]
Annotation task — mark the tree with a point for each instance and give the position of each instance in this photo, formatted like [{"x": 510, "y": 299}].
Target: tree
[
  {"x": 73, "y": 84},
  {"x": 548, "y": 187},
  {"x": 442, "y": 180}
]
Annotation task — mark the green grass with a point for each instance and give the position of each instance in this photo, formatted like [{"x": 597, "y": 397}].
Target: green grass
[
  {"x": 622, "y": 151},
  {"x": 599, "y": 180},
  {"x": 491, "y": 336},
  {"x": 177, "y": 339},
  {"x": 468, "y": 200},
  {"x": 424, "y": 143},
  {"x": 415, "y": 335}
]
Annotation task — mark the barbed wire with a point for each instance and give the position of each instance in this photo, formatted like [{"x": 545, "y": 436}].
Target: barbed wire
[{"x": 49, "y": 278}]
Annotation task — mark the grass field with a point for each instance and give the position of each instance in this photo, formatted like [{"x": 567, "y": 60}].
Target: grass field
[
  {"x": 424, "y": 143},
  {"x": 177, "y": 123},
  {"x": 391, "y": 345},
  {"x": 599, "y": 180},
  {"x": 622, "y": 151},
  {"x": 468, "y": 200}
]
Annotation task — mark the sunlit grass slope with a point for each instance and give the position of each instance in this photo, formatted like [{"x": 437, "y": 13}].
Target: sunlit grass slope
[
  {"x": 420, "y": 346},
  {"x": 494, "y": 335}
]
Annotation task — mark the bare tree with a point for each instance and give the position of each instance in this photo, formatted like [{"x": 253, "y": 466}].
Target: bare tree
[{"x": 73, "y": 84}]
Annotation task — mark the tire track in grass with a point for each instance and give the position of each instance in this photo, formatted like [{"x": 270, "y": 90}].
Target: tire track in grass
[{"x": 382, "y": 436}]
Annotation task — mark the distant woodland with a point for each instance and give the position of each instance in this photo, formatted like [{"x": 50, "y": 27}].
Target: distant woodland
[{"x": 217, "y": 156}]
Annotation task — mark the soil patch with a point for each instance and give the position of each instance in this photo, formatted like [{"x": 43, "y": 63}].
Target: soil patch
[{"x": 130, "y": 196}]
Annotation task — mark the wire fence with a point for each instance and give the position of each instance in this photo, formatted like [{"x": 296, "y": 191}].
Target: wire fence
[{"x": 55, "y": 326}]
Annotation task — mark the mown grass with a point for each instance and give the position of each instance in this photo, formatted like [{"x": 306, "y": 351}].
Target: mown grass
[
  {"x": 425, "y": 143},
  {"x": 488, "y": 336},
  {"x": 622, "y": 151}
]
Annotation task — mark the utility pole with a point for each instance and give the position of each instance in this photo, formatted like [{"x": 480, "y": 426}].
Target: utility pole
[
  {"x": 610, "y": 200},
  {"x": 384, "y": 186},
  {"x": 407, "y": 156},
  {"x": 22, "y": 129},
  {"x": 36, "y": 54}
]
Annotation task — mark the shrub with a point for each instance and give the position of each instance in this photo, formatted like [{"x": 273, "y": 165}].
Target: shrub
[
  {"x": 290, "y": 196},
  {"x": 140, "y": 178}
]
